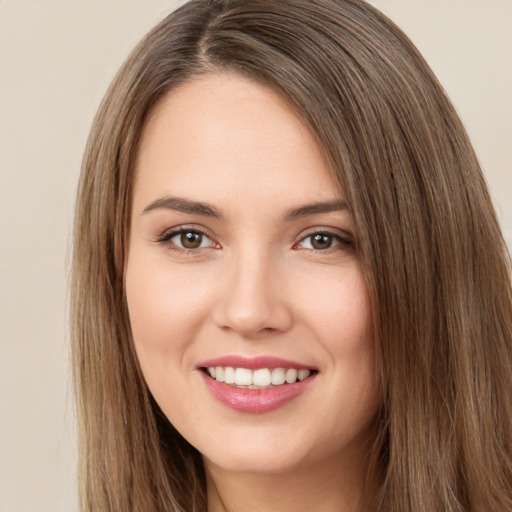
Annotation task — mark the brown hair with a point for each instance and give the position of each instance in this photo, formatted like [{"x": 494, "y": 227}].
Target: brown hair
[{"x": 435, "y": 262}]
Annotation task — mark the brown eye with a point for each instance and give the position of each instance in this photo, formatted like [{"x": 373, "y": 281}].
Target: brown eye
[
  {"x": 191, "y": 239},
  {"x": 324, "y": 240},
  {"x": 187, "y": 240},
  {"x": 321, "y": 241}
]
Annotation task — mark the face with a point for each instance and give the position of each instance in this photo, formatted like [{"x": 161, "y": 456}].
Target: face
[{"x": 248, "y": 306}]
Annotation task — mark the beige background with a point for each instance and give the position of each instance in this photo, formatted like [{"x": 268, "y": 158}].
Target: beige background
[{"x": 56, "y": 60}]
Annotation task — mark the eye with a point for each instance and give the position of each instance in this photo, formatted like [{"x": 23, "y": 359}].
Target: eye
[
  {"x": 190, "y": 240},
  {"x": 322, "y": 241},
  {"x": 186, "y": 240}
]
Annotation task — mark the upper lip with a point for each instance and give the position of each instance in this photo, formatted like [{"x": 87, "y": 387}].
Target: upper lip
[{"x": 254, "y": 363}]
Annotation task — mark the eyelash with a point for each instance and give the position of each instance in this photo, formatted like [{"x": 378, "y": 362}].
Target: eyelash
[{"x": 338, "y": 241}]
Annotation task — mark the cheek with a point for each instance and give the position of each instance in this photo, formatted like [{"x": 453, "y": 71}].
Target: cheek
[
  {"x": 352, "y": 342},
  {"x": 338, "y": 309},
  {"x": 339, "y": 314},
  {"x": 166, "y": 310}
]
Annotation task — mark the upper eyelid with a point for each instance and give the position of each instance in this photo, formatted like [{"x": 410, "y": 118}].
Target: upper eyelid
[
  {"x": 342, "y": 233},
  {"x": 170, "y": 232}
]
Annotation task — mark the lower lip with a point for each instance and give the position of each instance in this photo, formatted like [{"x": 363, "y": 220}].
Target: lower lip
[{"x": 255, "y": 401}]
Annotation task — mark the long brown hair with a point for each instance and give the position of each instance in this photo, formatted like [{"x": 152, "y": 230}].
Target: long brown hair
[{"x": 435, "y": 261}]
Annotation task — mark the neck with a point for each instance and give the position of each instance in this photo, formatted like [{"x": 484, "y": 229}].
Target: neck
[{"x": 327, "y": 486}]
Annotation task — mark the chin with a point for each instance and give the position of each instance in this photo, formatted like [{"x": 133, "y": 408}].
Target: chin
[
  {"x": 266, "y": 454},
  {"x": 254, "y": 461}
]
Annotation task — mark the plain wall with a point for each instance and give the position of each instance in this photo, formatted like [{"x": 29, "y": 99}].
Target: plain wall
[{"x": 56, "y": 59}]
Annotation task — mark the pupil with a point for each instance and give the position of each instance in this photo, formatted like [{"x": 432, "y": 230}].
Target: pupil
[
  {"x": 321, "y": 241},
  {"x": 191, "y": 240}
]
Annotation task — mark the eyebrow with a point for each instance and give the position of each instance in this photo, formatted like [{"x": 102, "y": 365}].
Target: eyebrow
[
  {"x": 315, "y": 208},
  {"x": 184, "y": 205}
]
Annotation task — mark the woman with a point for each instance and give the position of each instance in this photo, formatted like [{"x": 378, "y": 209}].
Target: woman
[{"x": 290, "y": 288}]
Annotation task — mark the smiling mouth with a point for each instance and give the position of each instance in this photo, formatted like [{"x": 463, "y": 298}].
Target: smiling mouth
[{"x": 261, "y": 378}]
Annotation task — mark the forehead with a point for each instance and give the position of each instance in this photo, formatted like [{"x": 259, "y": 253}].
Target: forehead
[{"x": 226, "y": 136}]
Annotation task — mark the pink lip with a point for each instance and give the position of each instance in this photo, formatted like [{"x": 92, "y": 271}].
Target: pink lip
[
  {"x": 253, "y": 363},
  {"x": 255, "y": 400}
]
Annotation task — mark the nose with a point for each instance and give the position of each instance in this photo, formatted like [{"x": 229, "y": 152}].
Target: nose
[{"x": 253, "y": 299}]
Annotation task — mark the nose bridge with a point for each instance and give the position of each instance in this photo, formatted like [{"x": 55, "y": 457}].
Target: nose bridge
[{"x": 252, "y": 301}]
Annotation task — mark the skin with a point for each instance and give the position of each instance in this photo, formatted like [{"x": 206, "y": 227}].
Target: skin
[{"x": 256, "y": 285}]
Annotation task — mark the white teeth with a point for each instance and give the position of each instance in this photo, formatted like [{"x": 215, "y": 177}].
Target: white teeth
[
  {"x": 291, "y": 376},
  {"x": 303, "y": 374},
  {"x": 243, "y": 377},
  {"x": 278, "y": 377},
  {"x": 261, "y": 378},
  {"x": 219, "y": 373},
  {"x": 229, "y": 375}
]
